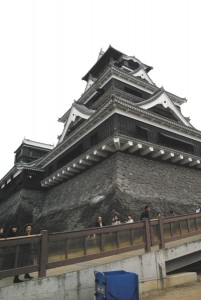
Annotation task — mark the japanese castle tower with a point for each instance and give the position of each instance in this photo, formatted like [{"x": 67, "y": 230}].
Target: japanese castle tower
[{"x": 125, "y": 144}]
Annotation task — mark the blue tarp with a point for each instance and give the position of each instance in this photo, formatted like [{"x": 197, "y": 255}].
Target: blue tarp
[{"x": 116, "y": 285}]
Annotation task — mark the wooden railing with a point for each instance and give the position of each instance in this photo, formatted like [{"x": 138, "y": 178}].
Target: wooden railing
[{"x": 47, "y": 251}]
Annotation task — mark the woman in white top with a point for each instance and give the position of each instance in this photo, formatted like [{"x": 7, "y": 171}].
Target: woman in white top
[
  {"x": 130, "y": 220},
  {"x": 115, "y": 220}
]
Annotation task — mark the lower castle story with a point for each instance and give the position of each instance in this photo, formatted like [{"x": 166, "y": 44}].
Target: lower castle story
[{"x": 122, "y": 184}]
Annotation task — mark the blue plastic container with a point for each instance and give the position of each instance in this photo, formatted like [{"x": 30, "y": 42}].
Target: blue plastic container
[{"x": 116, "y": 285}]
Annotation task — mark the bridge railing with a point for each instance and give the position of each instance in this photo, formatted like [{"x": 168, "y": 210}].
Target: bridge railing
[
  {"x": 20, "y": 255},
  {"x": 170, "y": 229},
  {"x": 69, "y": 247},
  {"x": 38, "y": 253}
]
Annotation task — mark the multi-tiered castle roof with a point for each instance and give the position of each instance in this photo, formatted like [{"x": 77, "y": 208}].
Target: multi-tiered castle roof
[{"x": 121, "y": 109}]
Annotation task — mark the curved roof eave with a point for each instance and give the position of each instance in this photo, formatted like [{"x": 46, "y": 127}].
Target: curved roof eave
[{"x": 115, "y": 102}]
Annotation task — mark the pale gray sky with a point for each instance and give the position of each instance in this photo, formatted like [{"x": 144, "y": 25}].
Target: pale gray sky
[{"x": 46, "y": 46}]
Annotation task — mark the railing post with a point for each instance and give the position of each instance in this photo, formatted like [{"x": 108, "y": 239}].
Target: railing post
[
  {"x": 196, "y": 225},
  {"x": 66, "y": 248},
  {"x": 160, "y": 224},
  {"x": 43, "y": 259},
  {"x": 17, "y": 256},
  {"x": 102, "y": 244},
  {"x": 188, "y": 226},
  {"x": 117, "y": 239},
  {"x": 131, "y": 236},
  {"x": 147, "y": 235},
  {"x": 85, "y": 245}
]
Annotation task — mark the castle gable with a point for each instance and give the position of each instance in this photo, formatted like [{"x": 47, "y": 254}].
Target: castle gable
[
  {"x": 161, "y": 98},
  {"x": 76, "y": 113}
]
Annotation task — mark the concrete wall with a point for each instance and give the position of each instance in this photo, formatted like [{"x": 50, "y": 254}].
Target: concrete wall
[{"x": 79, "y": 285}]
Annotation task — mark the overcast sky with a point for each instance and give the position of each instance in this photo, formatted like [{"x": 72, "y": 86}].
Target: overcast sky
[{"x": 47, "y": 46}]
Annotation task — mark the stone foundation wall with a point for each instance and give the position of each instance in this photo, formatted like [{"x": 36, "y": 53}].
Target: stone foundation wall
[
  {"x": 76, "y": 202},
  {"x": 122, "y": 184},
  {"x": 163, "y": 186},
  {"x": 21, "y": 208}
]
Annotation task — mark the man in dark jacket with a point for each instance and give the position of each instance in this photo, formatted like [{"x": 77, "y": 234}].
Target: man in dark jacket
[
  {"x": 145, "y": 214},
  {"x": 25, "y": 258},
  {"x": 99, "y": 222},
  {"x": 13, "y": 256}
]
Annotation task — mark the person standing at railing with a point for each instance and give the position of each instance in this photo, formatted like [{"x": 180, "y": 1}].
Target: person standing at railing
[
  {"x": 25, "y": 258},
  {"x": 145, "y": 213},
  {"x": 115, "y": 220},
  {"x": 2, "y": 236},
  {"x": 12, "y": 257},
  {"x": 197, "y": 210},
  {"x": 158, "y": 215},
  {"x": 130, "y": 220},
  {"x": 2, "y": 233},
  {"x": 99, "y": 222}
]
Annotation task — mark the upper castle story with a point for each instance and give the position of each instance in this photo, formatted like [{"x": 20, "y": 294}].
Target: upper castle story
[
  {"x": 121, "y": 109},
  {"x": 125, "y": 77}
]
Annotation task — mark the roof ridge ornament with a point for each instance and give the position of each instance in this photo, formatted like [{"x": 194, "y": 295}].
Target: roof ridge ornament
[{"x": 101, "y": 52}]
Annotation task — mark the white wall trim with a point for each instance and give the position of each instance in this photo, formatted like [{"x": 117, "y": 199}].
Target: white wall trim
[
  {"x": 72, "y": 116},
  {"x": 165, "y": 101}
]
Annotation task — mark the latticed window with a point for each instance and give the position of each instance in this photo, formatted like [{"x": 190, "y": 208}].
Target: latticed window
[{"x": 165, "y": 140}]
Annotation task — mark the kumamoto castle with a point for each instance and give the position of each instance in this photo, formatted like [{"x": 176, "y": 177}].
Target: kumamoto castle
[{"x": 125, "y": 144}]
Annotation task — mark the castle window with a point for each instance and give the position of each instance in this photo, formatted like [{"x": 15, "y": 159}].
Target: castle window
[{"x": 173, "y": 142}]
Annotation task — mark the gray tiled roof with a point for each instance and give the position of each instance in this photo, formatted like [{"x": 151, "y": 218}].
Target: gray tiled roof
[
  {"x": 83, "y": 109},
  {"x": 155, "y": 96}
]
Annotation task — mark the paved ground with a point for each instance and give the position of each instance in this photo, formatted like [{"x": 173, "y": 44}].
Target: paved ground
[{"x": 190, "y": 291}]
